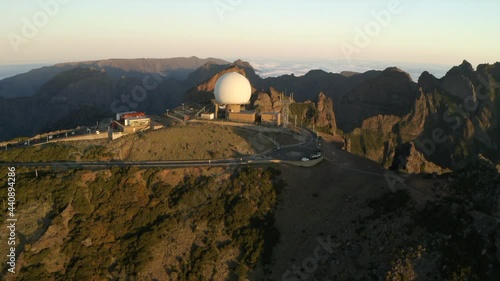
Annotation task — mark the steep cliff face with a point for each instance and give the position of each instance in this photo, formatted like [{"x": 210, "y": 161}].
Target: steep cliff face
[
  {"x": 326, "y": 116},
  {"x": 375, "y": 139},
  {"x": 453, "y": 119},
  {"x": 319, "y": 114},
  {"x": 391, "y": 92}
]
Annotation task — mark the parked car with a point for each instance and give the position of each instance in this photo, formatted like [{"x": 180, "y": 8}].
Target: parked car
[
  {"x": 304, "y": 159},
  {"x": 316, "y": 156}
]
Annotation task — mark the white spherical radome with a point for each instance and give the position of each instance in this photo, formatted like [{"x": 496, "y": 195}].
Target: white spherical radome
[{"x": 233, "y": 88}]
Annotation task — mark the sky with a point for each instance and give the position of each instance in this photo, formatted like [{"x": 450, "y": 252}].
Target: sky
[{"x": 440, "y": 32}]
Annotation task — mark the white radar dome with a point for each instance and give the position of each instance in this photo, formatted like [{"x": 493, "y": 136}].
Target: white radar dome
[{"x": 233, "y": 88}]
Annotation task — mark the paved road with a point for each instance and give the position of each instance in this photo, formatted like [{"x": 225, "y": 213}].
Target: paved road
[
  {"x": 151, "y": 164},
  {"x": 55, "y": 137}
]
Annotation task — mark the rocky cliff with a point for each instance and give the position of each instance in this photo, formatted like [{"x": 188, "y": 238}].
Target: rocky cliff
[
  {"x": 452, "y": 119},
  {"x": 269, "y": 102},
  {"x": 318, "y": 115}
]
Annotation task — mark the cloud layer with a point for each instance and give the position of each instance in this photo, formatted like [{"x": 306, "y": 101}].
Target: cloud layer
[{"x": 298, "y": 68}]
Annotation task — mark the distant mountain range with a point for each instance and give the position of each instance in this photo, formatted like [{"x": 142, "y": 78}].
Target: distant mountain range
[
  {"x": 27, "y": 84},
  {"x": 382, "y": 113}
]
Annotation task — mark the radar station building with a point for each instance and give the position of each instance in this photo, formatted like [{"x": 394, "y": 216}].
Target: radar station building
[{"x": 232, "y": 93}]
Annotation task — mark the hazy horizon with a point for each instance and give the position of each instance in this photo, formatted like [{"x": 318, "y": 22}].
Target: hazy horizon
[{"x": 268, "y": 68}]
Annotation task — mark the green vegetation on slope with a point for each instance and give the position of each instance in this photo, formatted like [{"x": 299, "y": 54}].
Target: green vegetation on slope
[{"x": 120, "y": 224}]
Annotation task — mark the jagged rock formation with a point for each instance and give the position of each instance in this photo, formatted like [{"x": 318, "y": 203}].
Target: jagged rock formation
[
  {"x": 269, "y": 102},
  {"x": 452, "y": 119},
  {"x": 326, "y": 116},
  {"x": 375, "y": 139},
  {"x": 320, "y": 114},
  {"x": 263, "y": 102}
]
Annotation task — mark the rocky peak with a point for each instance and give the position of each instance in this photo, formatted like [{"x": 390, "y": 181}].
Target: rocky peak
[
  {"x": 242, "y": 64},
  {"x": 428, "y": 82},
  {"x": 464, "y": 69},
  {"x": 459, "y": 86},
  {"x": 326, "y": 116},
  {"x": 397, "y": 70},
  {"x": 269, "y": 102},
  {"x": 209, "y": 85},
  {"x": 349, "y": 73},
  {"x": 391, "y": 88}
]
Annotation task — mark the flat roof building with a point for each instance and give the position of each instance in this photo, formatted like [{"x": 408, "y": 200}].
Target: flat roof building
[
  {"x": 242, "y": 116},
  {"x": 136, "y": 121},
  {"x": 271, "y": 118}
]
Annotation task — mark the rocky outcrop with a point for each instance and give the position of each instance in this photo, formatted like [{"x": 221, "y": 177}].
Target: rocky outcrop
[
  {"x": 269, "y": 102},
  {"x": 459, "y": 86},
  {"x": 381, "y": 123},
  {"x": 326, "y": 116},
  {"x": 319, "y": 114},
  {"x": 451, "y": 120},
  {"x": 263, "y": 103},
  {"x": 375, "y": 139},
  {"x": 416, "y": 163},
  {"x": 428, "y": 83}
]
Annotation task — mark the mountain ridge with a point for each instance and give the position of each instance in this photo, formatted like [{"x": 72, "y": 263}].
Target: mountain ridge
[{"x": 359, "y": 101}]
